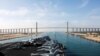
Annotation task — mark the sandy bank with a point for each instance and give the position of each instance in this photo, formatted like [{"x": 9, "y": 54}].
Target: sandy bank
[
  {"x": 90, "y": 36},
  {"x": 11, "y": 36}
]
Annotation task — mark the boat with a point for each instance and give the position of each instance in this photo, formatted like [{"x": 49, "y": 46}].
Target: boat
[{"x": 42, "y": 46}]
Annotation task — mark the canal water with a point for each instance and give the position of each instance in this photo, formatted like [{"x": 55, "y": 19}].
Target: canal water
[{"x": 75, "y": 45}]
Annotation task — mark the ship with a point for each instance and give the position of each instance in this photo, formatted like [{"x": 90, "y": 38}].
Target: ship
[{"x": 42, "y": 46}]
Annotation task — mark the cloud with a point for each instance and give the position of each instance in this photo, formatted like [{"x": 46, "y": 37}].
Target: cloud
[
  {"x": 19, "y": 12},
  {"x": 47, "y": 12},
  {"x": 84, "y": 3},
  {"x": 92, "y": 19},
  {"x": 94, "y": 14}
]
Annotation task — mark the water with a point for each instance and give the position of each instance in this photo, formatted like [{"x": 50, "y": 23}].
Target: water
[{"x": 76, "y": 46}]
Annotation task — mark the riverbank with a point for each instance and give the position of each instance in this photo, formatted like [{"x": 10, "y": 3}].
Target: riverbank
[
  {"x": 89, "y": 36},
  {"x": 11, "y": 36}
]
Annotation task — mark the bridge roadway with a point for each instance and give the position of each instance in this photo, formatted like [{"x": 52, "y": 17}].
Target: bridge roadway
[{"x": 32, "y": 30}]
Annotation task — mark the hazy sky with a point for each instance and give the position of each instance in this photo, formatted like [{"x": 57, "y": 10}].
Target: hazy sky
[{"x": 24, "y": 13}]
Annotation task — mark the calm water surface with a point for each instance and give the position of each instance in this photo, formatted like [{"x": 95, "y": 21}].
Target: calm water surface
[{"x": 77, "y": 46}]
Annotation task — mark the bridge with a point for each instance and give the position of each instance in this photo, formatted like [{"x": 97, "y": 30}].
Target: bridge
[{"x": 36, "y": 30}]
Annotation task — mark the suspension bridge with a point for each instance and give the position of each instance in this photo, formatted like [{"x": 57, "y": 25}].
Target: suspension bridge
[{"x": 36, "y": 30}]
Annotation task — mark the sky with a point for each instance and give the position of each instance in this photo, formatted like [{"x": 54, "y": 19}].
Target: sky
[{"x": 49, "y": 13}]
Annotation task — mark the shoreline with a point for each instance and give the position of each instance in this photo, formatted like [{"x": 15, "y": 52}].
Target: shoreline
[
  {"x": 88, "y": 36},
  {"x": 12, "y": 36}
]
